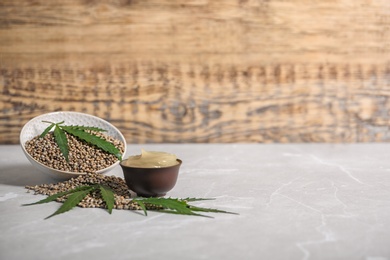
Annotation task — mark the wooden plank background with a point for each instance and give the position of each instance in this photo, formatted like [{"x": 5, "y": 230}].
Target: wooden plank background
[{"x": 201, "y": 70}]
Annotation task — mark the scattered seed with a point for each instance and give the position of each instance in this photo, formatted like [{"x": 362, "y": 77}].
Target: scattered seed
[{"x": 122, "y": 194}]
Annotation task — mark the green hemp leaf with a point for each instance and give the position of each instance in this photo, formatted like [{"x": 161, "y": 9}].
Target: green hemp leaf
[
  {"x": 163, "y": 205},
  {"x": 47, "y": 130},
  {"x": 77, "y": 195},
  {"x": 62, "y": 141},
  {"x": 73, "y": 200},
  {"x": 81, "y": 133},
  {"x": 174, "y": 206},
  {"x": 90, "y": 128},
  {"x": 93, "y": 139},
  {"x": 58, "y": 195},
  {"x": 108, "y": 197}
]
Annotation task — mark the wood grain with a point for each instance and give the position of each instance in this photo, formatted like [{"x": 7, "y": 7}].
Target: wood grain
[{"x": 201, "y": 71}]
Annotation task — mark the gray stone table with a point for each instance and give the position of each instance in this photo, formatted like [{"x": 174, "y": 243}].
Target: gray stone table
[{"x": 295, "y": 201}]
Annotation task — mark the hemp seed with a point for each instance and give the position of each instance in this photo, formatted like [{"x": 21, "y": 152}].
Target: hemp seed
[{"x": 83, "y": 157}]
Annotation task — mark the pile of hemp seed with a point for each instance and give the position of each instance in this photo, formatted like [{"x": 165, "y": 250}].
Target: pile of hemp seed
[
  {"x": 121, "y": 191},
  {"x": 83, "y": 157}
]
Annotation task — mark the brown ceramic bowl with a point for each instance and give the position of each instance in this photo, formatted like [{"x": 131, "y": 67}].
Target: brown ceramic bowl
[{"x": 151, "y": 182}]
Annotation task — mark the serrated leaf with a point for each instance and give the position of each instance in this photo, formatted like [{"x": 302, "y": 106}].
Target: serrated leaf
[
  {"x": 176, "y": 206},
  {"x": 58, "y": 195},
  {"x": 62, "y": 141},
  {"x": 72, "y": 201},
  {"x": 108, "y": 197},
  {"x": 48, "y": 199},
  {"x": 142, "y": 205},
  {"x": 170, "y": 205},
  {"x": 91, "y": 128},
  {"x": 181, "y": 213},
  {"x": 95, "y": 140},
  {"x": 47, "y": 130},
  {"x": 193, "y": 208}
]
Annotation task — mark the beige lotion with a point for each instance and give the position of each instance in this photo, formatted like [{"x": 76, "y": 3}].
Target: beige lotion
[{"x": 151, "y": 159}]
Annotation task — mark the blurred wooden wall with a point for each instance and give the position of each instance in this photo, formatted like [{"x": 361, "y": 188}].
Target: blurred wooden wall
[{"x": 201, "y": 70}]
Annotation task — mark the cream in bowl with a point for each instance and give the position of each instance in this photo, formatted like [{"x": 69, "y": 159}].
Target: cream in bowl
[
  {"x": 151, "y": 159},
  {"x": 151, "y": 174}
]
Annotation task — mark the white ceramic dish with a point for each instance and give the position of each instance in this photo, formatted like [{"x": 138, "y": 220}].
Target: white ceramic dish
[{"x": 35, "y": 127}]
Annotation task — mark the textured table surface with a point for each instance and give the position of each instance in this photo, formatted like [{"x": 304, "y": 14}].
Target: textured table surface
[{"x": 296, "y": 201}]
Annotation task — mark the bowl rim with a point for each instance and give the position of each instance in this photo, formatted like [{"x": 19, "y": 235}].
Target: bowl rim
[
  {"x": 178, "y": 164},
  {"x": 75, "y": 113}
]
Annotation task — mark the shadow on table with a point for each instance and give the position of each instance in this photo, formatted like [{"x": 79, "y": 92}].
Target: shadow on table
[{"x": 22, "y": 175}]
